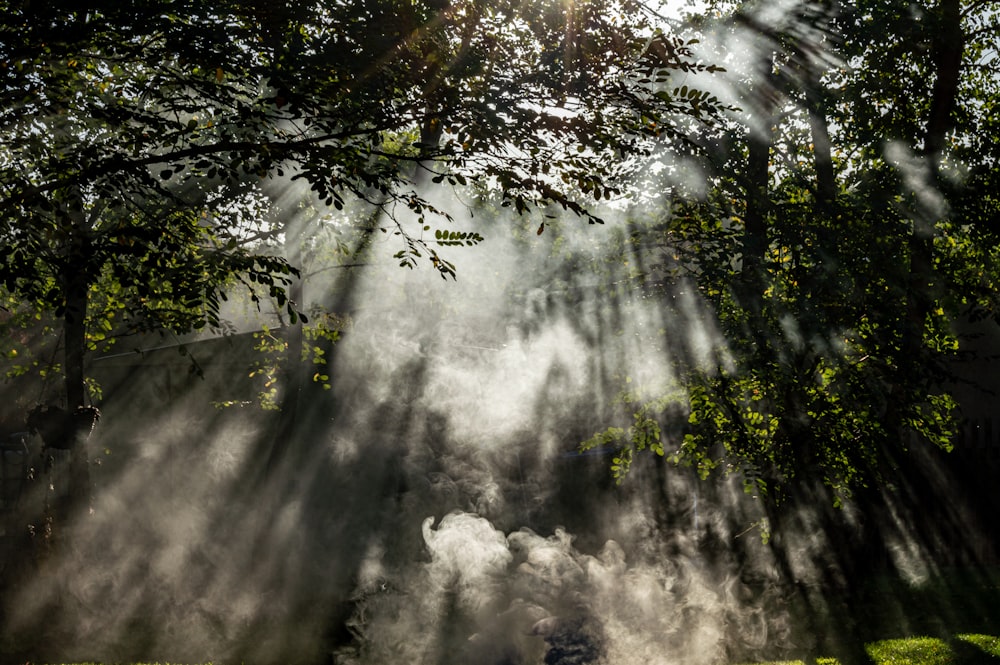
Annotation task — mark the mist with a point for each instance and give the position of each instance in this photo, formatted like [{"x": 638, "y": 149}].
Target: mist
[{"x": 433, "y": 506}]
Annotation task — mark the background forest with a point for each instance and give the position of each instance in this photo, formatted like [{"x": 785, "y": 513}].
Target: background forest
[{"x": 564, "y": 331}]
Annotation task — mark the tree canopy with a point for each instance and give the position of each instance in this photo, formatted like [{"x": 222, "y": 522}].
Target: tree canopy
[
  {"x": 134, "y": 134},
  {"x": 845, "y": 235},
  {"x": 135, "y": 138}
]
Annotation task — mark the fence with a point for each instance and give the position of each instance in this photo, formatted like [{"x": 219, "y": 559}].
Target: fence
[{"x": 13, "y": 469}]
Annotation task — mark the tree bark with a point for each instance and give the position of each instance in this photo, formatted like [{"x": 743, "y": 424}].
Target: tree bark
[
  {"x": 826, "y": 184},
  {"x": 75, "y": 288},
  {"x": 948, "y": 45},
  {"x": 293, "y": 371},
  {"x": 757, "y": 180}
]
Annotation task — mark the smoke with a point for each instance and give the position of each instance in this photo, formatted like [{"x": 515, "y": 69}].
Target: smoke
[
  {"x": 432, "y": 506},
  {"x": 522, "y": 598}
]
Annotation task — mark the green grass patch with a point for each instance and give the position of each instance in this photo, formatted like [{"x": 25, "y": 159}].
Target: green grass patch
[
  {"x": 911, "y": 651},
  {"x": 988, "y": 644},
  {"x": 967, "y": 649}
]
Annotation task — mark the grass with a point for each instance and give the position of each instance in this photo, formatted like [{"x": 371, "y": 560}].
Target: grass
[
  {"x": 963, "y": 649},
  {"x": 912, "y": 651},
  {"x": 986, "y": 643},
  {"x": 950, "y": 618}
]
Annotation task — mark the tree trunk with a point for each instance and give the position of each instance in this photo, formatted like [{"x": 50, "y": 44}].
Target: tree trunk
[
  {"x": 826, "y": 184},
  {"x": 948, "y": 45},
  {"x": 75, "y": 288},
  {"x": 756, "y": 192},
  {"x": 293, "y": 371}
]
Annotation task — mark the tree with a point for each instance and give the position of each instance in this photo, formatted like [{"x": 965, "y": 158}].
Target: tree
[
  {"x": 134, "y": 137},
  {"x": 864, "y": 236}
]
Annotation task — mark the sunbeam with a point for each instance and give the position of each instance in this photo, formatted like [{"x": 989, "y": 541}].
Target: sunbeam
[{"x": 713, "y": 428}]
